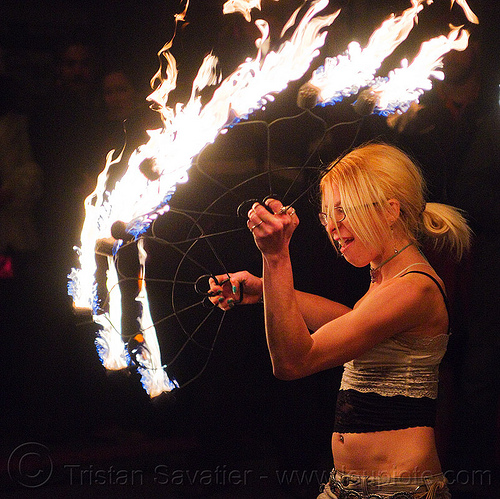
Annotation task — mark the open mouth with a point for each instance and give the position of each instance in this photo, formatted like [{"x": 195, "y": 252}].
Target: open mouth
[{"x": 344, "y": 243}]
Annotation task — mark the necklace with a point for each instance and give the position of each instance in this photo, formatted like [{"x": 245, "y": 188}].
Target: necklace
[{"x": 373, "y": 271}]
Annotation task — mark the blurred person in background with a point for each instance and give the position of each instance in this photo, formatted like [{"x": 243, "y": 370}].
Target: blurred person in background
[
  {"x": 20, "y": 190},
  {"x": 65, "y": 131}
]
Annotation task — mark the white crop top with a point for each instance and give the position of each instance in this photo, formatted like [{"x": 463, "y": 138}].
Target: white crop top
[
  {"x": 398, "y": 366},
  {"x": 401, "y": 365}
]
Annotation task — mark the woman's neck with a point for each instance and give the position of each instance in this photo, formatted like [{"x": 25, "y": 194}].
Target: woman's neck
[{"x": 405, "y": 253}]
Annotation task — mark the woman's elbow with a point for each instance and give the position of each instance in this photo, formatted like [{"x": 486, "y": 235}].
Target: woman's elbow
[{"x": 288, "y": 373}]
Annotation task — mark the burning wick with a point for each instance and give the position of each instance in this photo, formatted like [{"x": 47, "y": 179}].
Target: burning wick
[
  {"x": 366, "y": 102},
  {"x": 104, "y": 247},
  {"x": 148, "y": 168},
  {"x": 119, "y": 231},
  {"x": 308, "y": 96}
]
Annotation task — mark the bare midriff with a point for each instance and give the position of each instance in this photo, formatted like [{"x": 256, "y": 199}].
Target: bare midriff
[{"x": 409, "y": 452}]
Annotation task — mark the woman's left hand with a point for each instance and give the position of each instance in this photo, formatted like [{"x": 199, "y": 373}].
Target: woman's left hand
[{"x": 272, "y": 226}]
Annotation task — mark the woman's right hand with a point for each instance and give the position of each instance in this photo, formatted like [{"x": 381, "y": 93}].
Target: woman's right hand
[
  {"x": 241, "y": 288},
  {"x": 272, "y": 226}
]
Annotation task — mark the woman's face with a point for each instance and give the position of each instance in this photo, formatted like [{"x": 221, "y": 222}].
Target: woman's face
[{"x": 350, "y": 246}]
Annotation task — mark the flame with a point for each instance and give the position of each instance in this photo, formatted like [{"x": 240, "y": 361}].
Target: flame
[
  {"x": 82, "y": 285},
  {"x": 189, "y": 128},
  {"x": 154, "y": 379},
  {"x": 346, "y": 74},
  {"x": 467, "y": 10},
  {"x": 406, "y": 84},
  {"x": 109, "y": 343},
  {"x": 243, "y": 6}
]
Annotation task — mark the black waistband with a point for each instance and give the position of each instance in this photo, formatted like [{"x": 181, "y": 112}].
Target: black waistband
[{"x": 359, "y": 412}]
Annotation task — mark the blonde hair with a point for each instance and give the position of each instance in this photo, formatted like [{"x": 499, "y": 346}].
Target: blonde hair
[{"x": 372, "y": 174}]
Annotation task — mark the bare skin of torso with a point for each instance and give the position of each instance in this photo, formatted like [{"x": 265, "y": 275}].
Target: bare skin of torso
[{"x": 408, "y": 452}]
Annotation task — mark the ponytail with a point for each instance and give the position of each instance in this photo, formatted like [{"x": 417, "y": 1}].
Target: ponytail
[{"x": 446, "y": 228}]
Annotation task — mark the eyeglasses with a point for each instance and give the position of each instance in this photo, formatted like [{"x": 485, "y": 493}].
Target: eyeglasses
[{"x": 338, "y": 215}]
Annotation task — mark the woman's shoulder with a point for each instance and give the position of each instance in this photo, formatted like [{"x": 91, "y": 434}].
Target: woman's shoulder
[
  {"x": 424, "y": 278},
  {"x": 425, "y": 294},
  {"x": 411, "y": 302},
  {"x": 415, "y": 279}
]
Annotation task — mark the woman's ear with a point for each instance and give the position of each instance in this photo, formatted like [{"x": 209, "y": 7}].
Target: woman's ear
[{"x": 394, "y": 211}]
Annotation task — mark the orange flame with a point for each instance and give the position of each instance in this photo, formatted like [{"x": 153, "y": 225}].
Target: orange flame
[
  {"x": 405, "y": 85},
  {"x": 243, "y": 6},
  {"x": 467, "y": 11}
]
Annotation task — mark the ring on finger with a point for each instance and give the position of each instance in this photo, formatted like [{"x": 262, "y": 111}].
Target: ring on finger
[
  {"x": 256, "y": 225},
  {"x": 284, "y": 209}
]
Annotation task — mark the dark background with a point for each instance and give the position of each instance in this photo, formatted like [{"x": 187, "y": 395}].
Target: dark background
[{"x": 57, "y": 397}]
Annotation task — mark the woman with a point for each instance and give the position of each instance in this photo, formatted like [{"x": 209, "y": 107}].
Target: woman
[{"x": 390, "y": 343}]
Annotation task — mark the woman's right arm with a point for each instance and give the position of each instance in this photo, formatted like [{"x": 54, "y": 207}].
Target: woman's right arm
[{"x": 317, "y": 310}]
